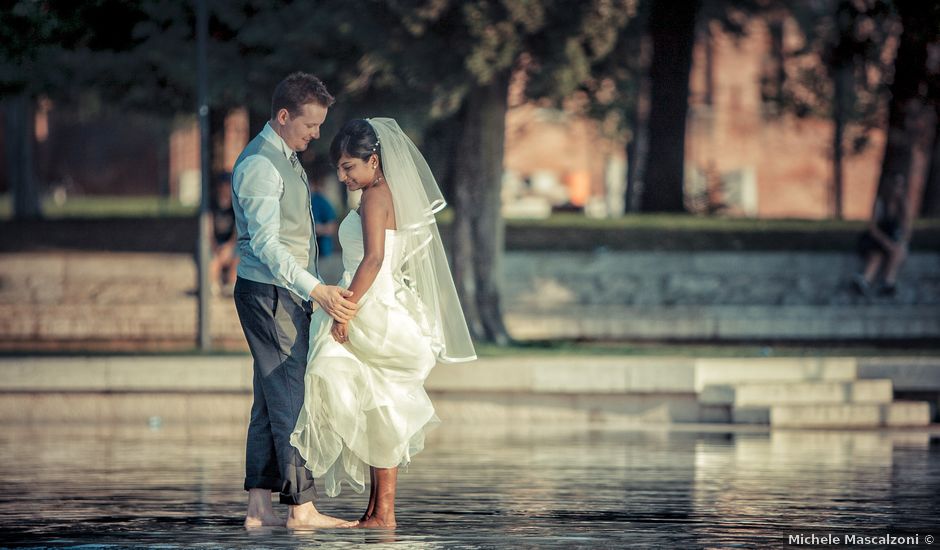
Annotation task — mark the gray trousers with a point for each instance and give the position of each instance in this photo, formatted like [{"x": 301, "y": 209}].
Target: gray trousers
[{"x": 277, "y": 326}]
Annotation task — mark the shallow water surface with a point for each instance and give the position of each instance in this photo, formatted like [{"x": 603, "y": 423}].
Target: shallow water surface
[{"x": 475, "y": 486}]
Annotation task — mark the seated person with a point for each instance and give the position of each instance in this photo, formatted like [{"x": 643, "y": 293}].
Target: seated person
[
  {"x": 223, "y": 267},
  {"x": 883, "y": 245}
]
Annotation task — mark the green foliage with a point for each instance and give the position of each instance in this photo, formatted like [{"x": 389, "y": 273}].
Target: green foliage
[
  {"x": 435, "y": 51},
  {"x": 840, "y": 39},
  {"x": 415, "y": 57},
  {"x": 39, "y": 40},
  {"x": 613, "y": 87}
]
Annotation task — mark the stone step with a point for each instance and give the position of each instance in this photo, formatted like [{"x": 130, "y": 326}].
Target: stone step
[
  {"x": 917, "y": 374},
  {"x": 851, "y": 415},
  {"x": 740, "y": 370},
  {"x": 765, "y": 394}
]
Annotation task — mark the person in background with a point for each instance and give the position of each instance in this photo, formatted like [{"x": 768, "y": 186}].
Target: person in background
[
  {"x": 223, "y": 268},
  {"x": 883, "y": 245},
  {"x": 325, "y": 216}
]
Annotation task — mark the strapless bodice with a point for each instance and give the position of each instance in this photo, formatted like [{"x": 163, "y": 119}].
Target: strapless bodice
[{"x": 350, "y": 238}]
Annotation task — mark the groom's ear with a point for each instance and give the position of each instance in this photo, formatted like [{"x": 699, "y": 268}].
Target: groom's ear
[{"x": 281, "y": 116}]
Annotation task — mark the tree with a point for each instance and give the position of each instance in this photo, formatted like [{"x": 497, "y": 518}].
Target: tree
[
  {"x": 619, "y": 95},
  {"x": 930, "y": 207},
  {"x": 18, "y": 114},
  {"x": 672, "y": 34},
  {"x": 648, "y": 71},
  {"x": 909, "y": 110},
  {"x": 851, "y": 80},
  {"x": 457, "y": 58},
  {"x": 650, "y": 68},
  {"x": 838, "y": 73},
  {"x": 37, "y": 44},
  {"x": 441, "y": 65}
]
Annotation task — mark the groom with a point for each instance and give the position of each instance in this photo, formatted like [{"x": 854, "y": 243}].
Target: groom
[{"x": 273, "y": 294}]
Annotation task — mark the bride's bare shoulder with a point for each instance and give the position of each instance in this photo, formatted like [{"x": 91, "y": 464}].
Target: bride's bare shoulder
[{"x": 377, "y": 204}]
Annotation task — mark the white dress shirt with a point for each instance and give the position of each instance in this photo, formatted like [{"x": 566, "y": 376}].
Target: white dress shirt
[{"x": 258, "y": 187}]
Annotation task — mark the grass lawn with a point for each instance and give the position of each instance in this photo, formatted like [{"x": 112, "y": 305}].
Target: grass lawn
[
  {"x": 153, "y": 206},
  {"x": 656, "y": 349},
  {"x": 105, "y": 207},
  {"x": 571, "y": 348},
  {"x": 561, "y": 231},
  {"x": 696, "y": 223}
]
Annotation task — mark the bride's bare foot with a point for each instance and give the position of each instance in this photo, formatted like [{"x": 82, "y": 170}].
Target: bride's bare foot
[
  {"x": 306, "y": 516},
  {"x": 380, "y": 513},
  {"x": 376, "y": 522},
  {"x": 372, "y": 520}
]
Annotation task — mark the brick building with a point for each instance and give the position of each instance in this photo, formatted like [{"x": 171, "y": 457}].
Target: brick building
[{"x": 767, "y": 166}]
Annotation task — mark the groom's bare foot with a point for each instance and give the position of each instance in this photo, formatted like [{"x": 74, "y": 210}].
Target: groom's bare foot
[
  {"x": 315, "y": 521},
  {"x": 269, "y": 520},
  {"x": 305, "y": 516},
  {"x": 356, "y": 522},
  {"x": 260, "y": 512},
  {"x": 348, "y": 524}
]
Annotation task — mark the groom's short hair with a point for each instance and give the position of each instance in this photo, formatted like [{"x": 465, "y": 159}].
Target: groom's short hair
[{"x": 297, "y": 90}]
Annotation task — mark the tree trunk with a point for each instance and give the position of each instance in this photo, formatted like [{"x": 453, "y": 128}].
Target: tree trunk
[
  {"x": 478, "y": 225},
  {"x": 638, "y": 146},
  {"x": 709, "y": 43},
  {"x": 906, "y": 107},
  {"x": 842, "y": 82},
  {"x": 440, "y": 146},
  {"x": 930, "y": 206},
  {"x": 672, "y": 29},
  {"x": 775, "y": 74},
  {"x": 217, "y": 144},
  {"x": 18, "y": 116}
]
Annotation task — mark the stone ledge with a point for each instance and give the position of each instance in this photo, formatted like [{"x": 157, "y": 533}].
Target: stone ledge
[
  {"x": 897, "y": 414},
  {"x": 121, "y": 373},
  {"x": 699, "y": 295},
  {"x": 734, "y": 323},
  {"x": 713, "y": 371},
  {"x": 797, "y": 393},
  {"x": 906, "y": 373},
  {"x": 572, "y": 374}
]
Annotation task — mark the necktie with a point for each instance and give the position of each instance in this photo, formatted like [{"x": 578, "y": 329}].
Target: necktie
[{"x": 295, "y": 162}]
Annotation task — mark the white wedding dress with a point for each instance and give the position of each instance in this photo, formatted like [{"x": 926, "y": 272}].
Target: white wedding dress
[{"x": 364, "y": 401}]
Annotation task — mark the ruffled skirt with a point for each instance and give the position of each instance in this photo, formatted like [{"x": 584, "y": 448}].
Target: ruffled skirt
[{"x": 364, "y": 401}]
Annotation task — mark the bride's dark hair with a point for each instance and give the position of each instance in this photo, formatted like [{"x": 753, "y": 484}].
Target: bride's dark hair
[{"x": 357, "y": 139}]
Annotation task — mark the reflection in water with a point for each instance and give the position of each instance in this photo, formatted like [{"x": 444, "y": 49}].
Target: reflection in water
[{"x": 179, "y": 485}]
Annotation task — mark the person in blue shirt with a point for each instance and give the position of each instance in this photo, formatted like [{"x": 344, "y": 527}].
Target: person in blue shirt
[{"x": 325, "y": 217}]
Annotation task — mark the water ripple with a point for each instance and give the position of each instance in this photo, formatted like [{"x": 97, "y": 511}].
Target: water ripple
[{"x": 521, "y": 486}]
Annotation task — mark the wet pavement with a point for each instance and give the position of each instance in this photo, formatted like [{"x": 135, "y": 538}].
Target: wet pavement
[{"x": 177, "y": 485}]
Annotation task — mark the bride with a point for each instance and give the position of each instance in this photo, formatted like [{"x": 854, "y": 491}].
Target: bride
[{"x": 365, "y": 408}]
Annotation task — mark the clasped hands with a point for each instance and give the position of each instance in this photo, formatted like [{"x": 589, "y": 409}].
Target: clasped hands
[{"x": 334, "y": 300}]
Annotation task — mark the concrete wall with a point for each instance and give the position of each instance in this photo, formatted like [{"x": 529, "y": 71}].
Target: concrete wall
[
  {"x": 713, "y": 295},
  {"x": 132, "y": 301}
]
